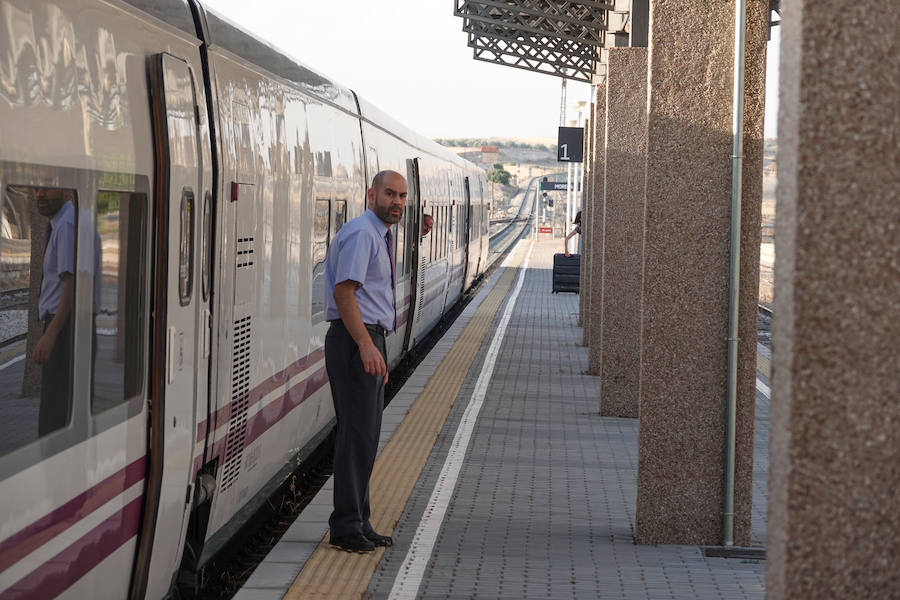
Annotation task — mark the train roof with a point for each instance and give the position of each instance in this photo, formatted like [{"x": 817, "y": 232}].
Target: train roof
[
  {"x": 176, "y": 13},
  {"x": 219, "y": 32}
]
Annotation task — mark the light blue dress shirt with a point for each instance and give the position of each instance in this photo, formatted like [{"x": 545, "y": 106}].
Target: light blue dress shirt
[
  {"x": 359, "y": 253},
  {"x": 59, "y": 258}
]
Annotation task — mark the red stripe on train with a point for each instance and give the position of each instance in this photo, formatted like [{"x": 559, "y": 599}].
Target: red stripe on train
[
  {"x": 267, "y": 386},
  {"x": 270, "y": 415},
  {"x": 57, "y": 574},
  {"x": 22, "y": 543}
]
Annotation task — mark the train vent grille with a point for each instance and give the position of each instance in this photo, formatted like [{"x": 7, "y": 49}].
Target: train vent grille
[
  {"x": 240, "y": 402},
  {"x": 421, "y": 301},
  {"x": 244, "y": 256}
]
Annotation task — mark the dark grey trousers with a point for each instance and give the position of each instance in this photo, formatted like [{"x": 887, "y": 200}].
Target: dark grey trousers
[
  {"x": 56, "y": 381},
  {"x": 358, "y": 401}
]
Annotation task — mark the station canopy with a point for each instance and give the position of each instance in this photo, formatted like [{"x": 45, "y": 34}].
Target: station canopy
[{"x": 556, "y": 37}]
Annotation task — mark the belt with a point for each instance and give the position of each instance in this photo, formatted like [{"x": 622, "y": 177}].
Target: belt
[
  {"x": 371, "y": 327},
  {"x": 376, "y": 329}
]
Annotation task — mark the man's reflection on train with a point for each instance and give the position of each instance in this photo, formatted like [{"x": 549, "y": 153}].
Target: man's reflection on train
[{"x": 53, "y": 349}]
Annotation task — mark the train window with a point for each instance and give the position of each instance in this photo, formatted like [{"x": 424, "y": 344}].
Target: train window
[
  {"x": 432, "y": 244},
  {"x": 205, "y": 265},
  {"x": 399, "y": 247},
  {"x": 445, "y": 212},
  {"x": 409, "y": 239},
  {"x": 320, "y": 248},
  {"x": 120, "y": 269},
  {"x": 186, "y": 247},
  {"x": 37, "y": 290},
  {"x": 442, "y": 232}
]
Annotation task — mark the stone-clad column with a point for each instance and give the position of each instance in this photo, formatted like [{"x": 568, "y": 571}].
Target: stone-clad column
[
  {"x": 584, "y": 295},
  {"x": 595, "y": 224},
  {"x": 626, "y": 163},
  {"x": 684, "y": 314},
  {"x": 834, "y": 470}
]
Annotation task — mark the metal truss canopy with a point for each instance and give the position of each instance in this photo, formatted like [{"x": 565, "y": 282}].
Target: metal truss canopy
[
  {"x": 561, "y": 58},
  {"x": 556, "y": 37}
]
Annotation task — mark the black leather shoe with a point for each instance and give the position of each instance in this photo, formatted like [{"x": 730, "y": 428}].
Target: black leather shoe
[
  {"x": 379, "y": 540},
  {"x": 352, "y": 543}
]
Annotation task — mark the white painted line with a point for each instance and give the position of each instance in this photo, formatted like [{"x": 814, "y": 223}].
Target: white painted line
[
  {"x": 12, "y": 361},
  {"x": 764, "y": 389},
  {"x": 408, "y": 580}
]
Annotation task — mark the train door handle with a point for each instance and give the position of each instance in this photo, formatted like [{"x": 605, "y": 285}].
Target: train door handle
[{"x": 174, "y": 353}]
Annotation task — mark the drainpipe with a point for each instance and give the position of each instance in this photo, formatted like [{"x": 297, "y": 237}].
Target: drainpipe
[{"x": 740, "y": 27}]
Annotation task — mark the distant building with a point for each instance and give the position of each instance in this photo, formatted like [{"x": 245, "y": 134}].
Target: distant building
[{"x": 490, "y": 154}]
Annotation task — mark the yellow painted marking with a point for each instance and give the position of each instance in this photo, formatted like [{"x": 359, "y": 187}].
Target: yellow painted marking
[{"x": 332, "y": 573}]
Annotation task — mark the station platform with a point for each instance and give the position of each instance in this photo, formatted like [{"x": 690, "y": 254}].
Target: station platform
[{"x": 497, "y": 478}]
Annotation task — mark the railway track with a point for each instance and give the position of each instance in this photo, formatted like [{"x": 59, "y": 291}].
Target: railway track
[{"x": 12, "y": 299}]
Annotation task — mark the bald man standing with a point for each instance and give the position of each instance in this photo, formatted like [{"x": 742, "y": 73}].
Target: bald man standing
[{"x": 361, "y": 306}]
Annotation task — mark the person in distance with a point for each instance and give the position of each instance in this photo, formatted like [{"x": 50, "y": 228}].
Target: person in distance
[{"x": 576, "y": 230}]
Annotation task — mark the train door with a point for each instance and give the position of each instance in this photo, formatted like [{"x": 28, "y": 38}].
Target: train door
[
  {"x": 177, "y": 366},
  {"x": 413, "y": 241},
  {"x": 467, "y": 211}
]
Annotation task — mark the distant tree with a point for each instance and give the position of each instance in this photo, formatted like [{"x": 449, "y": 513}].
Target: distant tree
[{"x": 499, "y": 175}]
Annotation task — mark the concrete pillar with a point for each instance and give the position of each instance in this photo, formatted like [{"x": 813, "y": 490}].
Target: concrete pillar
[
  {"x": 584, "y": 295},
  {"x": 834, "y": 470},
  {"x": 594, "y": 249},
  {"x": 684, "y": 311},
  {"x": 626, "y": 163}
]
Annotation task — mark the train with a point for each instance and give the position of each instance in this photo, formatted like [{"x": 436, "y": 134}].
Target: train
[{"x": 169, "y": 186}]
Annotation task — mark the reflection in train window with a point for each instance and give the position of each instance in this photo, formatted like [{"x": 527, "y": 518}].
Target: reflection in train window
[
  {"x": 340, "y": 216},
  {"x": 186, "y": 247},
  {"x": 119, "y": 292},
  {"x": 37, "y": 290},
  {"x": 320, "y": 247}
]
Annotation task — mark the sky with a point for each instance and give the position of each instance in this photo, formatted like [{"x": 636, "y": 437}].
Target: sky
[{"x": 410, "y": 58}]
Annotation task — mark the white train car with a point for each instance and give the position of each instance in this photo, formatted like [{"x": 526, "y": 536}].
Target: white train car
[{"x": 193, "y": 178}]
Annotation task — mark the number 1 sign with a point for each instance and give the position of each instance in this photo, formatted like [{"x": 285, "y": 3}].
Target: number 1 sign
[{"x": 571, "y": 142}]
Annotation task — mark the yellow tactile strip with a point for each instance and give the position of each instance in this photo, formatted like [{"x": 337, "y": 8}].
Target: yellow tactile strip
[{"x": 331, "y": 573}]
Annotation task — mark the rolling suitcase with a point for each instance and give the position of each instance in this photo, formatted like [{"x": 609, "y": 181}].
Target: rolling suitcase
[{"x": 566, "y": 271}]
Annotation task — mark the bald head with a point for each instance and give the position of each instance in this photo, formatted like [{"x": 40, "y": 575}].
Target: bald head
[
  {"x": 387, "y": 196},
  {"x": 380, "y": 177}
]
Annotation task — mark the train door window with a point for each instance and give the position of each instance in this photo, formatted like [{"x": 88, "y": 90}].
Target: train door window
[
  {"x": 186, "y": 247},
  {"x": 320, "y": 248},
  {"x": 120, "y": 274},
  {"x": 38, "y": 229},
  {"x": 205, "y": 245},
  {"x": 412, "y": 238}
]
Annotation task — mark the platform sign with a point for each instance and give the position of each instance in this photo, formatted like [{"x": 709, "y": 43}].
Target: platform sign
[
  {"x": 554, "y": 186},
  {"x": 571, "y": 144},
  {"x": 545, "y": 230}
]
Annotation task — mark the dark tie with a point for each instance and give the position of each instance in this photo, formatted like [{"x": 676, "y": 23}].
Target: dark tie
[
  {"x": 389, "y": 240},
  {"x": 44, "y": 256}
]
